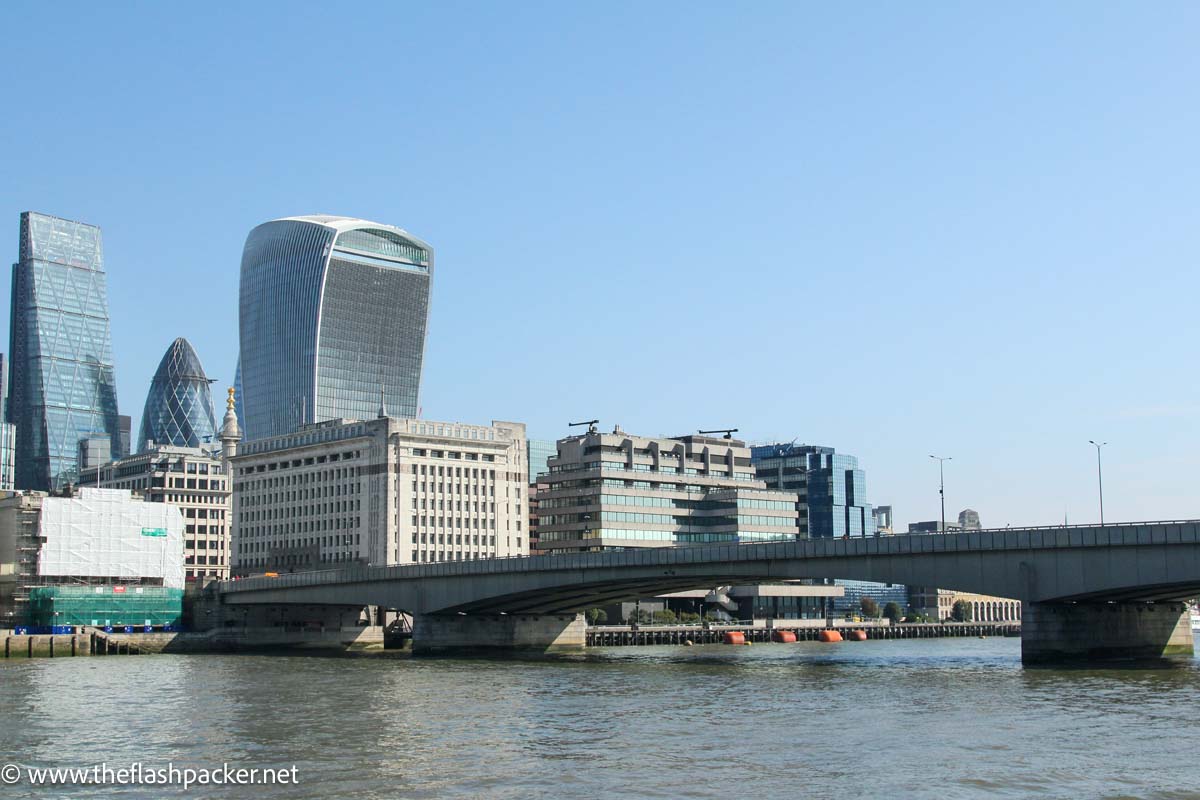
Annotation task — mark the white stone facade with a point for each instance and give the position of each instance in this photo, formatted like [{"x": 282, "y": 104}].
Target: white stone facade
[{"x": 378, "y": 492}]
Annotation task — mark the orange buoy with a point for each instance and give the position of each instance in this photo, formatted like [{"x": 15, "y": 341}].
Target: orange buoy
[
  {"x": 787, "y": 637},
  {"x": 829, "y": 636},
  {"x": 858, "y": 636},
  {"x": 735, "y": 637}
]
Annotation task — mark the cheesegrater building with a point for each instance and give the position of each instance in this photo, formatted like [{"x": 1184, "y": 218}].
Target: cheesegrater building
[
  {"x": 61, "y": 384},
  {"x": 332, "y": 321}
]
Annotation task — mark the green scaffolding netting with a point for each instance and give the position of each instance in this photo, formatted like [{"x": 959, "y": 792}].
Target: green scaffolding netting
[{"x": 101, "y": 605}]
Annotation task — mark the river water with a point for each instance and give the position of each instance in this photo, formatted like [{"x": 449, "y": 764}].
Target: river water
[{"x": 944, "y": 718}]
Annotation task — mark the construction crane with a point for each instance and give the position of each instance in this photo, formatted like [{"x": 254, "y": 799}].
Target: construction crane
[
  {"x": 729, "y": 432},
  {"x": 591, "y": 423}
]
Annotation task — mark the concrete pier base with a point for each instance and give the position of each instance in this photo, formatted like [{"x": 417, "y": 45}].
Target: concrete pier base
[
  {"x": 481, "y": 634},
  {"x": 1104, "y": 632}
]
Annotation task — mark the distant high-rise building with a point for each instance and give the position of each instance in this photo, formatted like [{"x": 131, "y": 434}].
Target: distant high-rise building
[
  {"x": 883, "y": 520},
  {"x": 179, "y": 408},
  {"x": 8, "y": 434},
  {"x": 333, "y": 313},
  {"x": 540, "y": 453},
  {"x": 968, "y": 519},
  {"x": 832, "y": 488},
  {"x": 121, "y": 446},
  {"x": 61, "y": 380}
]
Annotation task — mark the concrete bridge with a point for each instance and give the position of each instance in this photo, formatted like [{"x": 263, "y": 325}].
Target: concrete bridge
[{"x": 1087, "y": 592}]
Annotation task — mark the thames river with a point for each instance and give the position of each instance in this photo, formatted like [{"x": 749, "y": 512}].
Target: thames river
[{"x": 945, "y": 718}]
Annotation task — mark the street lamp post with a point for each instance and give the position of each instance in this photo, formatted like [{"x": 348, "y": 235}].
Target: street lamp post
[
  {"x": 942, "y": 485},
  {"x": 1099, "y": 477}
]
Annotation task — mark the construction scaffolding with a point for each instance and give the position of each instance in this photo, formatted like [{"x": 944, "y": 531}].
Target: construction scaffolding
[
  {"x": 105, "y": 606},
  {"x": 107, "y": 534}
]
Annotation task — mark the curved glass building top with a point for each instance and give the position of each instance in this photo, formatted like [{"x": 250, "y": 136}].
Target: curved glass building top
[
  {"x": 179, "y": 408},
  {"x": 61, "y": 386},
  {"x": 333, "y": 311}
]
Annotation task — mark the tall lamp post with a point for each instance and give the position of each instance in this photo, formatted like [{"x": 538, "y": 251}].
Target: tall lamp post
[
  {"x": 942, "y": 484},
  {"x": 1099, "y": 477}
]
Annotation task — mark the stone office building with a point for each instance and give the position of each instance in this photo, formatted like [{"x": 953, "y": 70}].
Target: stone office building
[
  {"x": 615, "y": 490},
  {"x": 378, "y": 492}
]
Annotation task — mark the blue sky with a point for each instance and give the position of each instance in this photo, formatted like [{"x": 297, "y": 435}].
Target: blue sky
[{"x": 895, "y": 229}]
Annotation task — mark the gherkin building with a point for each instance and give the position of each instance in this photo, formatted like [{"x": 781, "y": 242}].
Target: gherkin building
[{"x": 179, "y": 408}]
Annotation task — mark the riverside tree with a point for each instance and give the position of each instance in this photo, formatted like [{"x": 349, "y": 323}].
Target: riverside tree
[{"x": 961, "y": 611}]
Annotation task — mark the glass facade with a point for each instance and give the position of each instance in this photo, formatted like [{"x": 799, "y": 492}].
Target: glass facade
[
  {"x": 833, "y": 489},
  {"x": 540, "y": 451},
  {"x": 179, "y": 408},
  {"x": 333, "y": 313},
  {"x": 61, "y": 383}
]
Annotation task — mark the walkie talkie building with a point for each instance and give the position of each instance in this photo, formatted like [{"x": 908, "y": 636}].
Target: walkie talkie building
[{"x": 333, "y": 313}]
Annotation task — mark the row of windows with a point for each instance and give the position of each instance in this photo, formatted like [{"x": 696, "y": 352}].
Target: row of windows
[
  {"x": 299, "y": 462},
  {"x": 442, "y": 538},
  {"x": 759, "y": 519},
  {"x": 337, "y": 524},
  {"x": 341, "y": 540},
  {"x": 218, "y": 560},
  {"x": 478, "y": 506},
  {"x": 416, "y": 451},
  {"x": 612, "y": 466},
  {"x": 457, "y": 472},
  {"x": 428, "y": 556},
  {"x": 455, "y": 488},
  {"x": 456, "y": 522}
]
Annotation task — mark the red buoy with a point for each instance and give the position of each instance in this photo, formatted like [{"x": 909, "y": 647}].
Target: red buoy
[
  {"x": 858, "y": 636},
  {"x": 735, "y": 637},
  {"x": 829, "y": 636},
  {"x": 787, "y": 637}
]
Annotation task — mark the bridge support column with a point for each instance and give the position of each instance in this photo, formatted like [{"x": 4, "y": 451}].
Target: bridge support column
[
  {"x": 1100, "y": 632},
  {"x": 495, "y": 633}
]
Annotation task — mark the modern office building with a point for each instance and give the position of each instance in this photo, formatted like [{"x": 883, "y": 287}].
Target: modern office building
[
  {"x": 99, "y": 557},
  {"x": 333, "y": 313},
  {"x": 831, "y": 486},
  {"x": 61, "y": 379},
  {"x": 377, "y": 492},
  {"x": 538, "y": 455},
  {"x": 968, "y": 519},
  {"x": 179, "y": 409},
  {"x": 540, "y": 451},
  {"x": 850, "y": 602},
  {"x": 615, "y": 490},
  {"x": 883, "y": 520},
  {"x": 8, "y": 435},
  {"x": 192, "y": 479},
  {"x": 932, "y": 526}
]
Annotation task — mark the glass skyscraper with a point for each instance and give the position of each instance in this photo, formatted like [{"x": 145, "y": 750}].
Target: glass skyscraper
[
  {"x": 540, "y": 451},
  {"x": 833, "y": 490},
  {"x": 61, "y": 383},
  {"x": 333, "y": 313},
  {"x": 179, "y": 408}
]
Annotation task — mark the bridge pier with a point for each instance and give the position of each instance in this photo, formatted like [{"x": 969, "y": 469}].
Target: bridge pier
[
  {"x": 496, "y": 633},
  {"x": 1101, "y": 632}
]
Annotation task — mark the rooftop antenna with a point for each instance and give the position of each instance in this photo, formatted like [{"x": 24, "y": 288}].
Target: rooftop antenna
[
  {"x": 729, "y": 432},
  {"x": 382, "y": 402},
  {"x": 591, "y": 423}
]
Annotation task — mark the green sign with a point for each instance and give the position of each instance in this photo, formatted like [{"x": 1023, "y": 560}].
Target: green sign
[{"x": 154, "y": 531}]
